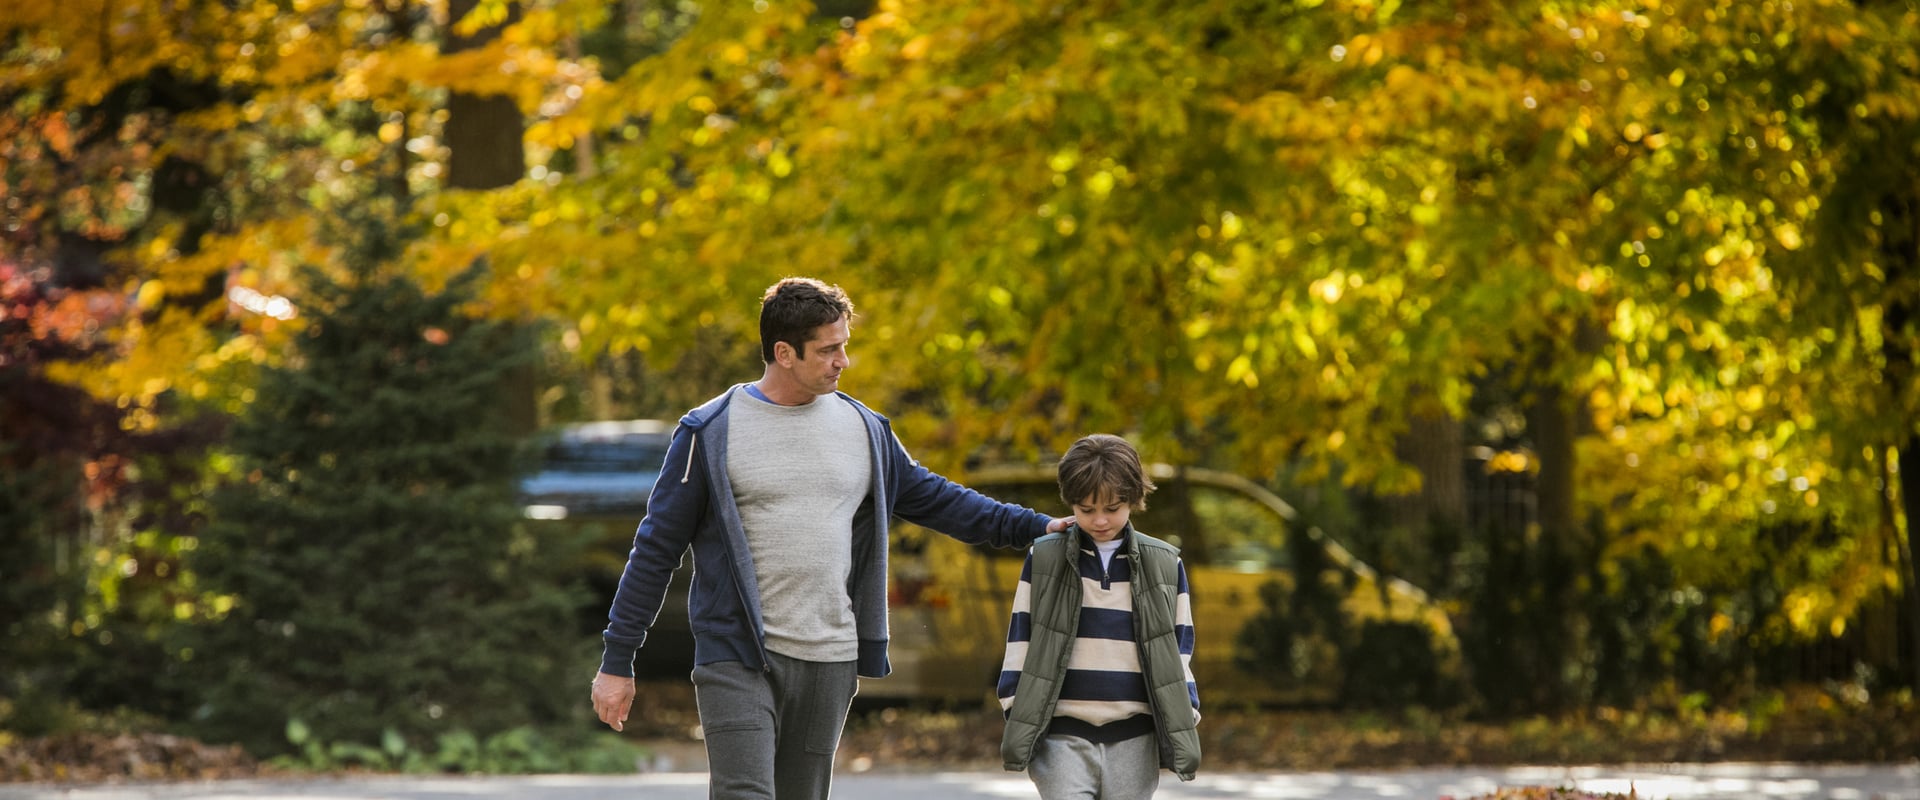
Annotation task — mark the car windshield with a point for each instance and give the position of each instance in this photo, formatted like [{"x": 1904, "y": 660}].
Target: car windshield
[{"x": 604, "y": 455}]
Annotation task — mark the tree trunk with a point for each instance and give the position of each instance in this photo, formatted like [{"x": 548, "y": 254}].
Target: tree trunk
[
  {"x": 1550, "y": 426},
  {"x": 1903, "y": 535},
  {"x": 1900, "y": 370},
  {"x": 1437, "y": 515},
  {"x": 1900, "y": 255},
  {"x": 1434, "y": 445},
  {"x": 486, "y": 150},
  {"x": 483, "y": 133},
  {"x": 1563, "y": 549}
]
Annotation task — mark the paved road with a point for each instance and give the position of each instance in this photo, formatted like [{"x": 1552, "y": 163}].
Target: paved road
[{"x": 1671, "y": 782}]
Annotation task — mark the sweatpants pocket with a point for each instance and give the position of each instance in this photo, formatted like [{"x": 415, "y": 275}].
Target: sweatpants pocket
[
  {"x": 827, "y": 703},
  {"x": 732, "y": 697}
]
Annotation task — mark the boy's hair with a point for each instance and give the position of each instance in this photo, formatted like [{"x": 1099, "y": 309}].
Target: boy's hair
[
  {"x": 1101, "y": 464},
  {"x": 792, "y": 308}
]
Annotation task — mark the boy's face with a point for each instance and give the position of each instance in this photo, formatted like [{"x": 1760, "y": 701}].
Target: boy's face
[{"x": 1102, "y": 517}]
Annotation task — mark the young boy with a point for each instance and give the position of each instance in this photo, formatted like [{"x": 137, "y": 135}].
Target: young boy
[{"x": 1096, "y": 683}]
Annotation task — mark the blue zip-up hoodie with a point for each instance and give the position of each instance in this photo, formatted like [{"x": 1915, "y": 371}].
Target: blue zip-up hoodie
[{"x": 692, "y": 506}]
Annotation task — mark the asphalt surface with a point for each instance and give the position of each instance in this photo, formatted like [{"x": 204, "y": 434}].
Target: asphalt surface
[{"x": 1654, "y": 782}]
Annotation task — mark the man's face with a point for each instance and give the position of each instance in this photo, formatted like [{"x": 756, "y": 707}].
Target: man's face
[{"x": 818, "y": 368}]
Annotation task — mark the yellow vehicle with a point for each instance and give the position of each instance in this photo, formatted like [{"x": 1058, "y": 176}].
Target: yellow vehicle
[{"x": 949, "y": 602}]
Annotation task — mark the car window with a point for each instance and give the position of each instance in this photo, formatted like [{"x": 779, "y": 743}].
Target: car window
[
  {"x": 1243, "y": 534},
  {"x": 604, "y": 468},
  {"x": 627, "y": 454}
]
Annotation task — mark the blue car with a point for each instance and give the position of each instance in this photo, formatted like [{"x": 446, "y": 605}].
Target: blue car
[
  {"x": 597, "y": 469},
  {"x": 593, "y": 480}
]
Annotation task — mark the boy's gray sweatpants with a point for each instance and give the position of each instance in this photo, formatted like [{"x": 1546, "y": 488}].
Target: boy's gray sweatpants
[
  {"x": 773, "y": 734},
  {"x": 1072, "y": 768}
]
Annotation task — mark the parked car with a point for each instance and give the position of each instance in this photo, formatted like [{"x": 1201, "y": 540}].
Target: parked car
[
  {"x": 949, "y": 602},
  {"x": 601, "y": 469},
  {"x": 593, "y": 480}
]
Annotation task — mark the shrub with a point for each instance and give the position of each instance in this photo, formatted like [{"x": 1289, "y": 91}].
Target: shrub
[{"x": 1393, "y": 666}]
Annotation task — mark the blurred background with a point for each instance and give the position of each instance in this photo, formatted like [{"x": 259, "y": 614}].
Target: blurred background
[{"x": 1546, "y": 361}]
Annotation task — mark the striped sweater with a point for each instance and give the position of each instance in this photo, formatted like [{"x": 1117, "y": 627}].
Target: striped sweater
[{"x": 1103, "y": 696}]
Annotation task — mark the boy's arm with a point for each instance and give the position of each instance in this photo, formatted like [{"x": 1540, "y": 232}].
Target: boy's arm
[
  {"x": 1019, "y": 633},
  {"x": 1183, "y": 631}
]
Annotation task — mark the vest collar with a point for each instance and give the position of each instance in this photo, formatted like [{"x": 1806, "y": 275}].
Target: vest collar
[{"x": 1084, "y": 543}]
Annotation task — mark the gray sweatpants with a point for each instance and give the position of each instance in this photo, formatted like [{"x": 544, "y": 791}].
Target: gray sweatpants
[
  {"x": 1072, "y": 768},
  {"x": 773, "y": 734}
]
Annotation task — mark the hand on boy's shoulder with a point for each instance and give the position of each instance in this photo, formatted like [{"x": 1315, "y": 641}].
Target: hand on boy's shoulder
[{"x": 1059, "y": 524}]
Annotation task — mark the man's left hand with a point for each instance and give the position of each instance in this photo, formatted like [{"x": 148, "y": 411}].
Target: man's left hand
[{"x": 1059, "y": 524}]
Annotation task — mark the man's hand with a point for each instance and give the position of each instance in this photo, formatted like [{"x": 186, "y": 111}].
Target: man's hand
[
  {"x": 612, "y": 699},
  {"x": 1059, "y": 524}
]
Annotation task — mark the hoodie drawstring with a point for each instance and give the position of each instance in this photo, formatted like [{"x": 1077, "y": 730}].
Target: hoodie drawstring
[{"x": 691, "y": 445}]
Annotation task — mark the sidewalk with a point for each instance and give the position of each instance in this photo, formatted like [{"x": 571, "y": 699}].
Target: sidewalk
[{"x": 1653, "y": 782}]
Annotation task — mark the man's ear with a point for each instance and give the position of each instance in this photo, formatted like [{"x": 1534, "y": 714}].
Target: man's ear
[{"x": 782, "y": 353}]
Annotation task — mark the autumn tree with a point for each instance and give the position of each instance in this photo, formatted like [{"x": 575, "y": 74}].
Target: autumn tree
[
  {"x": 1662, "y": 242},
  {"x": 165, "y": 170},
  {"x": 1269, "y": 234},
  {"x": 87, "y": 552}
]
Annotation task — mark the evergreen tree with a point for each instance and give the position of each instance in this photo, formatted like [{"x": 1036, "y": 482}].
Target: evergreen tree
[{"x": 379, "y": 575}]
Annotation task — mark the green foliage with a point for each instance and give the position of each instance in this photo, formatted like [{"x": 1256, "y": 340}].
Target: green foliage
[
  {"x": 378, "y": 574},
  {"x": 1299, "y": 634},
  {"x": 140, "y": 587},
  {"x": 91, "y": 513},
  {"x": 518, "y": 750},
  {"x": 1394, "y": 665},
  {"x": 32, "y": 595},
  {"x": 1515, "y": 635}
]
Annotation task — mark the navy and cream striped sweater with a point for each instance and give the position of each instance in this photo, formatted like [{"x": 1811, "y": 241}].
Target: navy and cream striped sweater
[{"x": 1103, "y": 696}]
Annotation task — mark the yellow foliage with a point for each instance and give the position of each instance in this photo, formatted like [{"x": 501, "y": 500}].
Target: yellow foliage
[{"x": 1094, "y": 215}]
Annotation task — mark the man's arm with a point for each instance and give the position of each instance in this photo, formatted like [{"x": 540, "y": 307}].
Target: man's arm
[
  {"x": 927, "y": 499},
  {"x": 659, "y": 544}
]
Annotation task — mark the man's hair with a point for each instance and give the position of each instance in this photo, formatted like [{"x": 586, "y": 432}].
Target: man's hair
[
  {"x": 793, "y": 308},
  {"x": 1101, "y": 464}
]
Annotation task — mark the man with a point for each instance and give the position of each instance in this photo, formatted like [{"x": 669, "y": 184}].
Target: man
[{"x": 784, "y": 490}]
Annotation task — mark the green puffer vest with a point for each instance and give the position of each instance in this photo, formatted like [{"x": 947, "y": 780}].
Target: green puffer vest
[{"x": 1056, "y": 622}]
